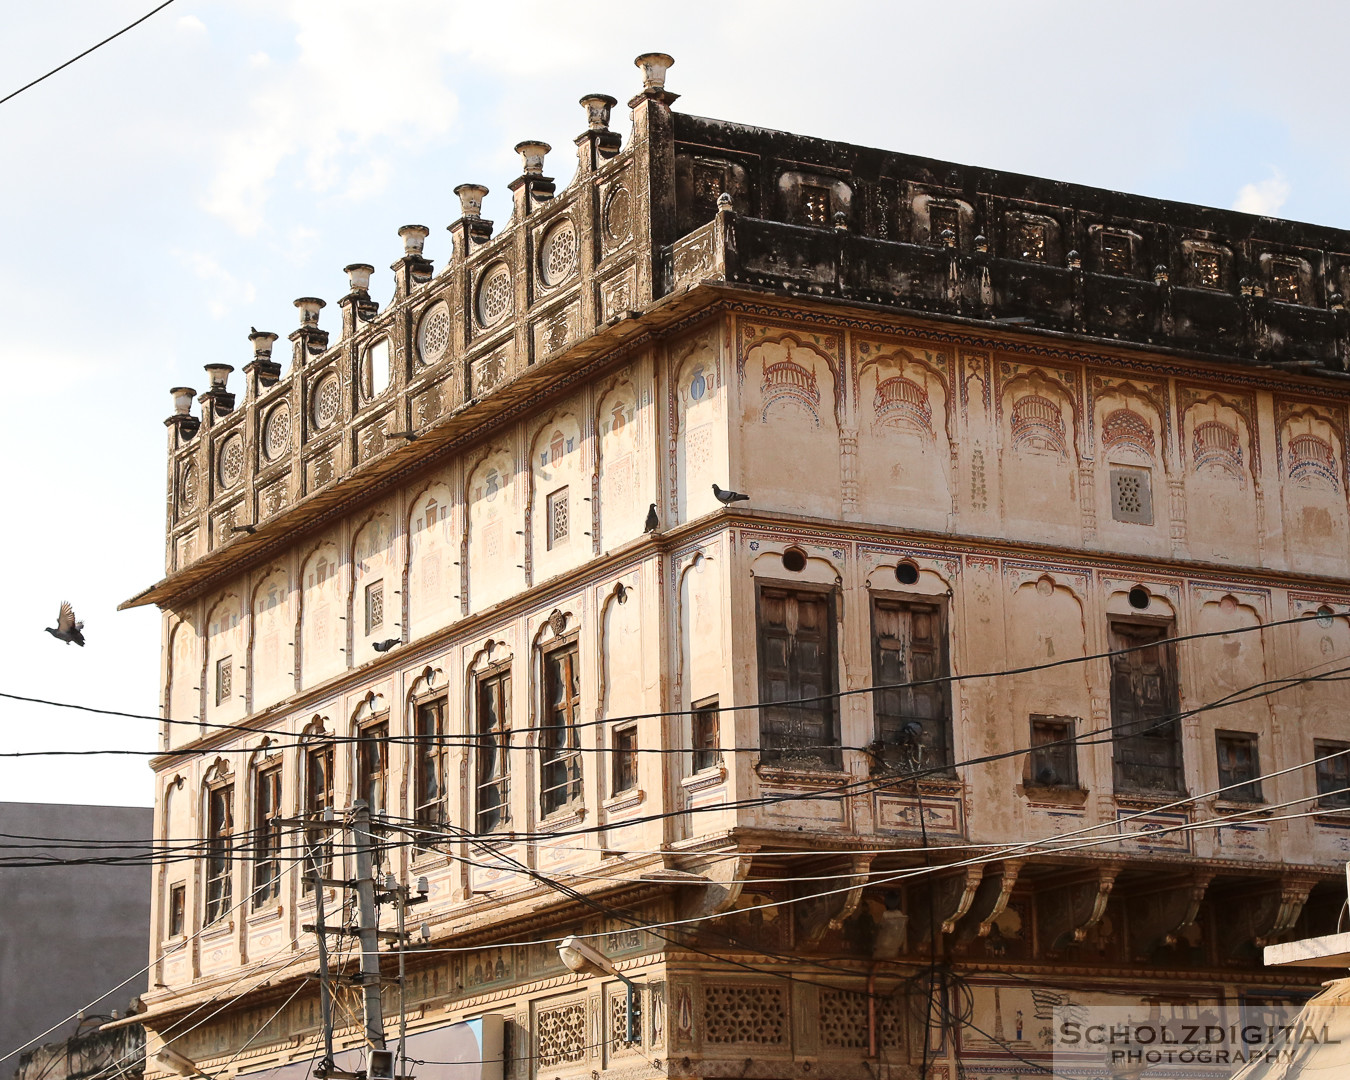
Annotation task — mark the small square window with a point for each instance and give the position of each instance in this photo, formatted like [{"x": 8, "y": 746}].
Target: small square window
[
  {"x": 177, "y": 909},
  {"x": 1132, "y": 496},
  {"x": 1208, "y": 269},
  {"x": 943, "y": 219},
  {"x": 557, "y": 518},
  {"x": 1116, "y": 253},
  {"x": 224, "y": 679},
  {"x": 705, "y": 735},
  {"x": 625, "y": 759},
  {"x": 1333, "y": 773},
  {"x": 1054, "y": 756},
  {"x": 815, "y": 204},
  {"x": 1238, "y": 770},
  {"x": 374, "y": 606},
  {"x": 1031, "y": 241},
  {"x": 1284, "y": 282}
]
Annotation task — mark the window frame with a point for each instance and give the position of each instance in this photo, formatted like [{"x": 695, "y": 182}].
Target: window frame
[
  {"x": 372, "y": 760},
  {"x": 374, "y": 620},
  {"x": 224, "y": 680},
  {"x": 430, "y": 807},
  {"x": 1335, "y": 799},
  {"x": 1165, "y": 629},
  {"x": 940, "y": 611},
  {"x": 827, "y": 755},
  {"x": 1244, "y": 791},
  {"x": 553, "y": 502},
  {"x": 177, "y": 909},
  {"x": 318, "y": 852},
  {"x": 218, "y": 891},
  {"x": 623, "y": 773},
  {"x": 1042, "y": 754},
  {"x": 559, "y": 744},
  {"x": 496, "y": 677},
  {"x": 705, "y": 742},
  {"x": 267, "y": 833}
]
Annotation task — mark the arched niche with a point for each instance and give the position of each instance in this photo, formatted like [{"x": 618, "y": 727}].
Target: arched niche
[
  {"x": 272, "y": 663},
  {"x": 624, "y": 495},
  {"x": 433, "y": 562},
  {"x": 495, "y": 517},
  {"x": 322, "y": 639},
  {"x": 699, "y": 429}
]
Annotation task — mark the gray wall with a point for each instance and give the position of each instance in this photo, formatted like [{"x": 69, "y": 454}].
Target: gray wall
[{"x": 68, "y": 933}]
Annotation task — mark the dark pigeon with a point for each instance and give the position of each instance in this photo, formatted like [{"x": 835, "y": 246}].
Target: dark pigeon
[
  {"x": 653, "y": 522},
  {"x": 385, "y": 646},
  {"x": 726, "y": 498},
  {"x": 67, "y": 628}
]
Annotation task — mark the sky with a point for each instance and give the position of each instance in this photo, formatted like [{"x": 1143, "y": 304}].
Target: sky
[{"x": 193, "y": 177}]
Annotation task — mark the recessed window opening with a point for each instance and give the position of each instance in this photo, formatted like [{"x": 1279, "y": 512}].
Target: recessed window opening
[
  {"x": 1139, "y": 598},
  {"x": 624, "y": 764},
  {"x": 318, "y": 799},
  {"x": 1238, "y": 766},
  {"x": 798, "y": 724},
  {"x": 1132, "y": 495},
  {"x": 1054, "y": 757},
  {"x": 907, "y": 573},
  {"x": 267, "y": 837},
  {"x": 372, "y": 765},
  {"x": 220, "y": 830},
  {"x": 177, "y": 909},
  {"x": 375, "y": 370},
  {"x": 794, "y": 560},
  {"x": 912, "y": 713},
  {"x": 1144, "y": 705},
  {"x": 705, "y": 735},
  {"x": 494, "y": 749},
  {"x": 429, "y": 767},
  {"x": 374, "y": 606},
  {"x": 1333, "y": 774},
  {"x": 560, "y": 775}
]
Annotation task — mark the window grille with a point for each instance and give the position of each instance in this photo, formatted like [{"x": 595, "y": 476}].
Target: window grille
[
  {"x": 1132, "y": 496},
  {"x": 374, "y": 606},
  {"x": 224, "y": 679},
  {"x": 557, "y": 518}
]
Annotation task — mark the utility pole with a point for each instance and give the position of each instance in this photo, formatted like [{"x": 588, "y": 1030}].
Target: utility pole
[
  {"x": 368, "y": 924},
  {"x": 325, "y": 991}
]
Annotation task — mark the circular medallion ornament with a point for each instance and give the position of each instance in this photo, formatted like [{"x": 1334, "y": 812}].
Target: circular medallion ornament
[
  {"x": 618, "y": 220},
  {"x": 277, "y": 432},
  {"x": 558, "y": 254},
  {"x": 433, "y": 332},
  {"x": 230, "y": 461},
  {"x": 494, "y": 295},
  {"x": 325, "y": 399},
  {"x": 187, "y": 486}
]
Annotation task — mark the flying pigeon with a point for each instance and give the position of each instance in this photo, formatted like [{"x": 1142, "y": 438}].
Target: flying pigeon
[
  {"x": 385, "y": 646},
  {"x": 653, "y": 522},
  {"x": 67, "y": 629},
  {"x": 726, "y": 498}
]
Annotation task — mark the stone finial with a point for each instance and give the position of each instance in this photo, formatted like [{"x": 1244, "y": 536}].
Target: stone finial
[
  {"x": 947, "y": 238},
  {"x": 532, "y": 153},
  {"x": 414, "y": 238},
  {"x": 358, "y": 275},
  {"x": 262, "y": 344},
  {"x": 598, "y": 108},
  {"x": 1074, "y": 260},
  {"x": 654, "y": 67},
  {"x": 310, "y": 306},
  {"x": 1160, "y": 275},
  {"x": 182, "y": 399},
  {"x": 471, "y": 198},
  {"x": 724, "y": 201},
  {"x": 218, "y": 374},
  {"x": 982, "y": 243}
]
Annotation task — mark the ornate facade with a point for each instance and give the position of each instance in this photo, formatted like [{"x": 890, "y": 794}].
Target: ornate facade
[{"x": 1006, "y": 687}]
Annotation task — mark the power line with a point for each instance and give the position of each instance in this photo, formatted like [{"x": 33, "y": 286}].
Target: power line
[
  {"x": 92, "y": 48},
  {"x": 249, "y": 729}
]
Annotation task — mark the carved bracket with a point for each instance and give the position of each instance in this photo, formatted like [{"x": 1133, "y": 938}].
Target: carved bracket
[
  {"x": 1294, "y": 890},
  {"x": 1159, "y": 918},
  {"x": 726, "y": 877},
  {"x": 1074, "y": 909},
  {"x": 974, "y": 874},
  {"x": 817, "y": 914}
]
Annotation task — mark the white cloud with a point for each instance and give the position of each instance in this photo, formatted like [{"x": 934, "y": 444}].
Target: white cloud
[
  {"x": 227, "y": 291},
  {"x": 355, "y": 90},
  {"x": 1263, "y": 197}
]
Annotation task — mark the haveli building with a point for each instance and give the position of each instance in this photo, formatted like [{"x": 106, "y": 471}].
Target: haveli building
[{"x": 1004, "y": 439}]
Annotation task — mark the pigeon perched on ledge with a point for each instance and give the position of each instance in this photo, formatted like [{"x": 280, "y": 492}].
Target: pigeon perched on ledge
[
  {"x": 385, "y": 646},
  {"x": 67, "y": 629},
  {"x": 653, "y": 521},
  {"x": 726, "y": 498}
]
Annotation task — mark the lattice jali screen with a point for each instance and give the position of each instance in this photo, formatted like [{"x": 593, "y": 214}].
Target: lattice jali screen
[
  {"x": 843, "y": 1019},
  {"x": 618, "y": 1022},
  {"x": 561, "y": 1035},
  {"x": 744, "y": 1014}
]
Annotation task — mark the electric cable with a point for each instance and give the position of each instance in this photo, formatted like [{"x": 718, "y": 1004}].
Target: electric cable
[{"x": 81, "y": 56}]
